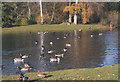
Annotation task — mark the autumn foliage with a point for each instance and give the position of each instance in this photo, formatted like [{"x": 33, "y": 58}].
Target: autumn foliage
[
  {"x": 26, "y": 13},
  {"x": 81, "y": 9}
]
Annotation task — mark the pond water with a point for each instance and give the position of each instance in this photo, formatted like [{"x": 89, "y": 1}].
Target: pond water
[{"x": 85, "y": 51}]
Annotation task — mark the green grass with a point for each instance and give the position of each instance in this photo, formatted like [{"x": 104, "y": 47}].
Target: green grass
[
  {"x": 50, "y": 28},
  {"x": 100, "y": 73}
]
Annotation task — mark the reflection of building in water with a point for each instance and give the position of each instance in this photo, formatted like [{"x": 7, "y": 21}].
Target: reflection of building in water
[{"x": 111, "y": 42}]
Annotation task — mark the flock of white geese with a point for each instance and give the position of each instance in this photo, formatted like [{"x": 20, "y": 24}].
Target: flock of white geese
[{"x": 57, "y": 57}]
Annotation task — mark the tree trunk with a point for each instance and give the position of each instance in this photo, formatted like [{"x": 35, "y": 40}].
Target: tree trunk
[
  {"x": 29, "y": 11},
  {"x": 70, "y": 17},
  {"x": 75, "y": 16},
  {"x": 41, "y": 12},
  {"x": 53, "y": 13}
]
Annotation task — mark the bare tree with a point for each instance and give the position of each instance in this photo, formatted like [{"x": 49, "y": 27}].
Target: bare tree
[
  {"x": 41, "y": 12},
  {"x": 53, "y": 13},
  {"x": 29, "y": 10},
  {"x": 75, "y": 16}
]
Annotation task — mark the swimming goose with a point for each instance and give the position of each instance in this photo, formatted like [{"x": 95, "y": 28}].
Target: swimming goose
[
  {"x": 65, "y": 49},
  {"x": 65, "y": 37},
  {"x": 91, "y": 35},
  {"x": 26, "y": 65},
  {"x": 58, "y": 38},
  {"x": 24, "y": 69},
  {"x": 42, "y": 48},
  {"x": 55, "y": 59},
  {"x": 100, "y": 34},
  {"x": 51, "y": 43},
  {"x": 59, "y": 55},
  {"x": 18, "y": 60},
  {"x": 36, "y": 42},
  {"x": 24, "y": 56},
  {"x": 68, "y": 45},
  {"x": 42, "y": 75},
  {"x": 50, "y": 51}
]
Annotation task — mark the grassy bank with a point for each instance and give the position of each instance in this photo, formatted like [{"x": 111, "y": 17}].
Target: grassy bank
[
  {"x": 51, "y": 28},
  {"x": 100, "y": 73}
]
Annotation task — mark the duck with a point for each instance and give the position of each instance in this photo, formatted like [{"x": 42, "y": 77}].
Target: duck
[
  {"x": 24, "y": 69},
  {"x": 18, "y": 60},
  {"x": 100, "y": 34},
  {"x": 68, "y": 45},
  {"x": 59, "y": 55},
  {"x": 42, "y": 75},
  {"x": 54, "y": 59},
  {"x": 50, "y": 51}
]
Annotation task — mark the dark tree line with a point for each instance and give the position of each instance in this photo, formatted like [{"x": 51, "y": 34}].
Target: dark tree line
[{"x": 26, "y": 13}]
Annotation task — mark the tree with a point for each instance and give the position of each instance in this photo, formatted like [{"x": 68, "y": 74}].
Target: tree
[
  {"x": 70, "y": 17},
  {"x": 53, "y": 12},
  {"x": 8, "y": 14},
  {"x": 41, "y": 12},
  {"x": 81, "y": 9}
]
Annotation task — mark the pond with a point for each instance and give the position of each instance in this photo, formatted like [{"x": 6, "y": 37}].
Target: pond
[{"x": 85, "y": 51}]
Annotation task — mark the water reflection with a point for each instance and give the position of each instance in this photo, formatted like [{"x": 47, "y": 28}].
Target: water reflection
[
  {"x": 111, "y": 50},
  {"x": 85, "y": 51}
]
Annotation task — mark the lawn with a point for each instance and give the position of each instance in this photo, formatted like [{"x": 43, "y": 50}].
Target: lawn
[
  {"x": 99, "y": 73},
  {"x": 50, "y": 28}
]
